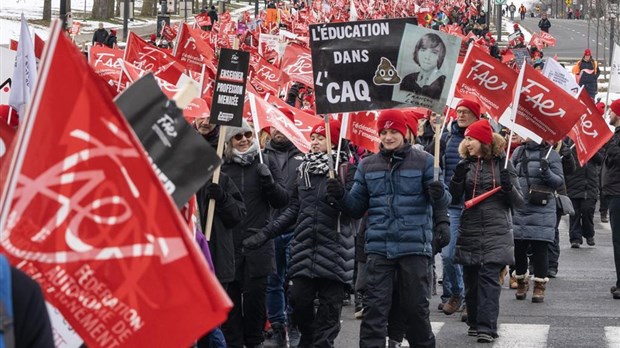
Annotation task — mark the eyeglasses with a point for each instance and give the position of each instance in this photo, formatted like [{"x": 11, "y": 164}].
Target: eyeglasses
[{"x": 239, "y": 136}]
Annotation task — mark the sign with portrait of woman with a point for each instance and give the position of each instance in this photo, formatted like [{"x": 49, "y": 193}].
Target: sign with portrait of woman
[
  {"x": 381, "y": 64},
  {"x": 426, "y": 63}
]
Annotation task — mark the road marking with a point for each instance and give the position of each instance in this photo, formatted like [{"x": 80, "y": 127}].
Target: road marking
[
  {"x": 522, "y": 335},
  {"x": 435, "y": 326},
  {"x": 612, "y": 333}
]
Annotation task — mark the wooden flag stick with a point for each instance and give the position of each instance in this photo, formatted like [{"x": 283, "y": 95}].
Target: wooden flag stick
[{"x": 189, "y": 91}]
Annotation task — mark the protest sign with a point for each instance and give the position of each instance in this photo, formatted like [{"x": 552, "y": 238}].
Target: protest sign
[
  {"x": 229, "y": 92},
  {"x": 381, "y": 64}
]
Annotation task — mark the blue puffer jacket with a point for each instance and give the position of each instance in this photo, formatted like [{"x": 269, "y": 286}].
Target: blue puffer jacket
[
  {"x": 452, "y": 140},
  {"x": 535, "y": 222},
  {"x": 393, "y": 188}
]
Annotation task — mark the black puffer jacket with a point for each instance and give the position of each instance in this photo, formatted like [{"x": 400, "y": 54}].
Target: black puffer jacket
[
  {"x": 228, "y": 213},
  {"x": 258, "y": 262},
  {"x": 611, "y": 166},
  {"x": 584, "y": 182},
  {"x": 321, "y": 248},
  {"x": 287, "y": 158},
  {"x": 485, "y": 231},
  {"x": 535, "y": 222}
]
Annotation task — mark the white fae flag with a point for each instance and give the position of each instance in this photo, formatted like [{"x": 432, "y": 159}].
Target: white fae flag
[
  {"x": 25, "y": 73},
  {"x": 562, "y": 77},
  {"x": 614, "y": 77}
]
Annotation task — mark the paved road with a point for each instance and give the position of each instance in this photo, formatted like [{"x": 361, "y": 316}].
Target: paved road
[
  {"x": 572, "y": 38},
  {"x": 578, "y": 310}
]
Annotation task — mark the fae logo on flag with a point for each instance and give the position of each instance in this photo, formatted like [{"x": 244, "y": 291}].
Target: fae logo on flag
[
  {"x": 83, "y": 214},
  {"x": 541, "y": 101}
]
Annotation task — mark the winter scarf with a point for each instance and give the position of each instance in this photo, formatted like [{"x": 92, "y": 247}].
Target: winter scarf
[
  {"x": 245, "y": 158},
  {"x": 318, "y": 164}
]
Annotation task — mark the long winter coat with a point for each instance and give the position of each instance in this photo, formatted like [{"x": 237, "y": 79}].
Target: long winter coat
[
  {"x": 228, "y": 213},
  {"x": 535, "y": 222},
  {"x": 323, "y": 245},
  {"x": 611, "y": 166},
  {"x": 259, "y": 200},
  {"x": 584, "y": 181},
  {"x": 485, "y": 232}
]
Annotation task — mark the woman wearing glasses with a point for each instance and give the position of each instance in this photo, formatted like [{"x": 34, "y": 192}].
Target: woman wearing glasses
[
  {"x": 322, "y": 250},
  {"x": 259, "y": 185}
]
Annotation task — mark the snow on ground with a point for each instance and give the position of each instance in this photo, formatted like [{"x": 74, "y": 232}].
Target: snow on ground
[{"x": 11, "y": 10}]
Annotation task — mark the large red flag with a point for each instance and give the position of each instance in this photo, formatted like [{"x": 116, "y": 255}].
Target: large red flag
[
  {"x": 266, "y": 77},
  {"x": 546, "y": 109},
  {"x": 84, "y": 214},
  {"x": 485, "y": 78},
  {"x": 297, "y": 63},
  {"x": 303, "y": 120},
  {"x": 547, "y": 38},
  {"x": 150, "y": 58},
  {"x": 107, "y": 64},
  {"x": 591, "y": 132},
  {"x": 269, "y": 115},
  {"x": 192, "y": 50}
]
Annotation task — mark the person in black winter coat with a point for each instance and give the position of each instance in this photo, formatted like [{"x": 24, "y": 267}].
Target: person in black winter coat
[
  {"x": 287, "y": 158},
  {"x": 322, "y": 250},
  {"x": 544, "y": 24},
  {"x": 229, "y": 211},
  {"x": 485, "y": 242},
  {"x": 100, "y": 35},
  {"x": 213, "y": 16},
  {"x": 586, "y": 72},
  {"x": 611, "y": 188},
  {"x": 540, "y": 175},
  {"x": 583, "y": 189},
  {"x": 259, "y": 185}
]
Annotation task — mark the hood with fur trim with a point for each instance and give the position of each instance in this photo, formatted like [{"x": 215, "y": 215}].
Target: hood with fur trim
[{"x": 498, "y": 145}]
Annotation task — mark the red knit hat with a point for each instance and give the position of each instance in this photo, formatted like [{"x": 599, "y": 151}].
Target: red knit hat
[
  {"x": 412, "y": 118},
  {"x": 392, "y": 119},
  {"x": 481, "y": 131},
  {"x": 587, "y": 52},
  {"x": 334, "y": 130},
  {"x": 471, "y": 105},
  {"x": 615, "y": 107}
]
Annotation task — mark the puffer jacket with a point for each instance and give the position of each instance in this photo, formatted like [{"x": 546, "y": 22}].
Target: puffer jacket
[
  {"x": 259, "y": 200},
  {"x": 611, "y": 166},
  {"x": 287, "y": 158},
  {"x": 535, "y": 222},
  {"x": 451, "y": 141},
  {"x": 485, "y": 231},
  {"x": 323, "y": 245},
  {"x": 584, "y": 181},
  {"x": 393, "y": 187}
]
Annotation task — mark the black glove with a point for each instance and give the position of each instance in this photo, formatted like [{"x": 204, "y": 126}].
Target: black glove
[
  {"x": 544, "y": 164},
  {"x": 266, "y": 179},
  {"x": 461, "y": 170},
  {"x": 215, "y": 191},
  {"x": 436, "y": 190},
  {"x": 334, "y": 188},
  {"x": 255, "y": 241},
  {"x": 504, "y": 179},
  {"x": 566, "y": 152},
  {"x": 441, "y": 230}
]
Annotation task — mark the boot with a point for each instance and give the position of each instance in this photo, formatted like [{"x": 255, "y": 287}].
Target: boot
[
  {"x": 513, "y": 281},
  {"x": 539, "y": 289},
  {"x": 523, "y": 285},
  {"x": 604, "y": 216}
]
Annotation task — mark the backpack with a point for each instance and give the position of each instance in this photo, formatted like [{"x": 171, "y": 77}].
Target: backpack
[{"x": 7, "y": 336}]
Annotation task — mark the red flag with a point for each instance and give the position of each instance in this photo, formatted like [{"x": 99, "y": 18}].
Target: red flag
[
  {"x": 547, "y": 38},
  {"x": 297, "y": 63},
  {"x": 169, "y": 33},
  {"x": 269, "y": 115},
  {"x": 488, "y": 80},
  {"x": 202, "y": 19},
  {"x": 84, "y": 214},
  {"x": 265, "y": 77},
  {"x": 591, "y": 132},
  {"x": 192, "y": 50},
  {"x": 150, "y": 58},
  {"x": 362, "y": 130},
  {"x": 537, "y": 42},
  {"x": 107, "y": 64},
  {"x": 546, "y": 109}
]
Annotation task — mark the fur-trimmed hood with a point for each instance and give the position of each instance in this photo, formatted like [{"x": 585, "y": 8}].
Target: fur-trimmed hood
[{"x": 498, "y": 145}]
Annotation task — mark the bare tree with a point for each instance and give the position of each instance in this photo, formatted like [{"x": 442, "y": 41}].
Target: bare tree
[
  {"x": 101, "y": 10},
  {"x": 149, "y": 8},
  {"x": 47, "y": 10}
]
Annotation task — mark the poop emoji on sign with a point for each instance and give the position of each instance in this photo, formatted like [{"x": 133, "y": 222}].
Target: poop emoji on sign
[{"x": 386, "y": 74}]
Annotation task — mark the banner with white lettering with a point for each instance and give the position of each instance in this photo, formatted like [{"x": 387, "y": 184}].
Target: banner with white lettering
[
  {"x": 381, "y": 64},
  {"x": 181, "y": 158},
  {"x": 229, "y": 93}
]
